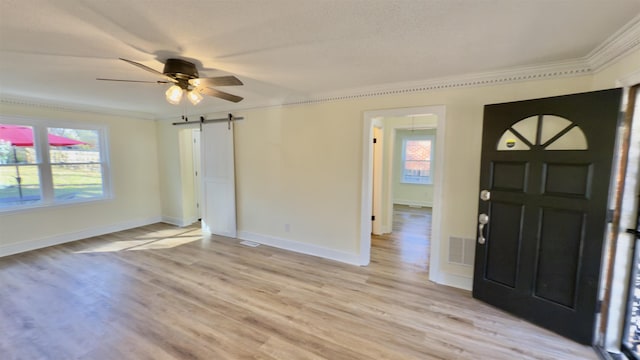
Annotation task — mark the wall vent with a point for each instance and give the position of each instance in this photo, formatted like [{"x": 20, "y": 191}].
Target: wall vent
[{"x": 461, "y": 251}]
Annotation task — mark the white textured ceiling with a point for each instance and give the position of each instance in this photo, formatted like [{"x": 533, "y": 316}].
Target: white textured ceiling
[{"x": 52, "y": 51}]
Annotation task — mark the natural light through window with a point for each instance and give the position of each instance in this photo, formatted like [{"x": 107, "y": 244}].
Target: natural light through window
[
  {"x": 42, "y": 165},
  {"x": 76, "y": 167},
  {"x": 417, "y": 159}
]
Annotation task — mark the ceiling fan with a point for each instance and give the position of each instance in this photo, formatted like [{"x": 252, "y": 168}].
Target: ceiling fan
[{"x": 184, "y": 78}]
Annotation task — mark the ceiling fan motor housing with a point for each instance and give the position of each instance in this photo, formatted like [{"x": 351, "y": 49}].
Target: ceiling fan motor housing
[{"x": 180, "y": 69}]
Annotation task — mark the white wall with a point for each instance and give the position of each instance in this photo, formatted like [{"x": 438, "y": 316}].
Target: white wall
[
  {"x": 409, "y": 194},
  {"x": 134, "y": 171}
]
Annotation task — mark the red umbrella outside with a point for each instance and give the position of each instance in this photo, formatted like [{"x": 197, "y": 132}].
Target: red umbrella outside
[{"x": 23, "y": 136}]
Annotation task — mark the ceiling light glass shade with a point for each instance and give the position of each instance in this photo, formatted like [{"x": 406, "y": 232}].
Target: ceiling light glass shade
[
  {"x": 194, "y": 97},
  {"x": 174, "y": 94}
]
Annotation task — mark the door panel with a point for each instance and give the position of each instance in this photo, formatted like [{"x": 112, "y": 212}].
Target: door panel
[
  {"x": 546, "y": 164},
  {"x": 218, "y": 174},
  {"x": 502, "y": 253},
  {"x": 567, "y": 179},
  {"x": 558, "y": 255},
  {"x": 509, "y": 176}
]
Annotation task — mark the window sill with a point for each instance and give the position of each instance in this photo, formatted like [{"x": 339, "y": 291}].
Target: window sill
[
  {"x": 57, "y": 205},
  {"x": 415, "y": 183}
]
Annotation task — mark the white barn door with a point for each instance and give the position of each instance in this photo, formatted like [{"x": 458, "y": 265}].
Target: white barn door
[{"x": 218, "y": 179}]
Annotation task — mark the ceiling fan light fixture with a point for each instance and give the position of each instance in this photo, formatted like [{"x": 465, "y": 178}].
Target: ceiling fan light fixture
[
  {"x": 174, "y": 94},
  {"x": 194, "y": 96},
  {"x": 184, "y": 79}
]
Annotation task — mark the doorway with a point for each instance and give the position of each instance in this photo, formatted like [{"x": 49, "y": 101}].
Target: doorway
[
  {"x": 398, "y": 120},
  {"x": 403, "y": 188}
]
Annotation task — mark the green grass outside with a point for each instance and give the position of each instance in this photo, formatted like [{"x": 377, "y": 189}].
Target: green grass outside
[{"x": 70, "y": 181}]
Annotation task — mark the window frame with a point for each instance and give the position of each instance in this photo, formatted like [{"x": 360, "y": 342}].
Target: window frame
[
  {"x": 43, "y": 162},
  {"x": 428, "y": 180}
]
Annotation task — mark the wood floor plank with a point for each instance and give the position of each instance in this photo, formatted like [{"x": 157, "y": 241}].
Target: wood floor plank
[{"x": 161, "y": 292}]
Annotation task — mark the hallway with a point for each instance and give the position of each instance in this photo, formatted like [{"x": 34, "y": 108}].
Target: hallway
[{"x": 409, "y": 242}]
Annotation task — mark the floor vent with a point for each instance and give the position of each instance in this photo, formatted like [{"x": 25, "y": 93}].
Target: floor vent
[
  {"x": 461, "y": 251},
  {"x": 249, "y": 243}
]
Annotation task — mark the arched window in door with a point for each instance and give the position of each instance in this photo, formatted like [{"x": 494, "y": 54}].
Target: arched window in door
[{"x": 550, "y": 132}]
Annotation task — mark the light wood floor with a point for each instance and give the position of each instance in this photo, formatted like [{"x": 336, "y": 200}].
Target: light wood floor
[{"x": 160, "y": 292}]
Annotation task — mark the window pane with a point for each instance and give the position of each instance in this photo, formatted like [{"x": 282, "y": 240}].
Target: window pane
[
  {"x": 73, "y": 145},
  {"x": 80, "y": 181},
  {"x": 418, "y": 150},
  {"x": 417, "y": 161},
  {"x": 16, "y": 144},
  {"x": 417, "y": 168},
  {"x": 19, "y": 184}
]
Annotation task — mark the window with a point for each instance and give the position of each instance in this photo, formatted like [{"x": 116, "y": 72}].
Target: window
[
  {"x": 417, "y": 158},
  {"x": 46, "y": 165},
  {"x": 556, "y": 133}
]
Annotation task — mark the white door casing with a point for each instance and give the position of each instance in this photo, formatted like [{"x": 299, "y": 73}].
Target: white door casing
[
  {"x": 378, "y": 154},
  {"x": 369, "y": 119}
]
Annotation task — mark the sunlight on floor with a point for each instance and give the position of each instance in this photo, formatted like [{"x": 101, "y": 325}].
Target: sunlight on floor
[{"x": 143, "y": 243}]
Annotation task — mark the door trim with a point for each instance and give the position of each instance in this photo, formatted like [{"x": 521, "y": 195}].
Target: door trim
[{"x": 367, "y": 182}]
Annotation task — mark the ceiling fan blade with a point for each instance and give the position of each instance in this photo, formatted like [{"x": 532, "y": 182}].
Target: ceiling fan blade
[
  {"x": 216, "y": 81},
  {"x": 138, "y": 81},
  {"x": 146, "y": 68},
  {"x": 219, "y": 94}
]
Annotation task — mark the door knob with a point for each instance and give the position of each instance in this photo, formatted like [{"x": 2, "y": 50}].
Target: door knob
[{"x": 483, "y": 219}]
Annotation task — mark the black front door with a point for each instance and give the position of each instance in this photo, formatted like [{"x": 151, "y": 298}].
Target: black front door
[{"x": 545, "y": 175}]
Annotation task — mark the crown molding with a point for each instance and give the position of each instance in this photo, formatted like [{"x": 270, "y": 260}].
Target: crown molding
[
  {"x": 621, "y": 43},
  {"x": 65, "y": 107},
  {"x": 560, "y": 69}
]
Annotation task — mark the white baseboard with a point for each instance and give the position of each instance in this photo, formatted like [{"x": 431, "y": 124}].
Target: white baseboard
[
  {"x": 413, "y": 203},
  {"x": 178, "y": 221},
  {"x": 457, "y": 281},
  {"x": 300, "y": 247},
  {"x": 10, "y": 249}
]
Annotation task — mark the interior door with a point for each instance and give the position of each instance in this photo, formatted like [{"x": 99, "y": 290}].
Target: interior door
[
  {"x": 218, "y": 179},
  {"x": 545, "y": 174}
]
